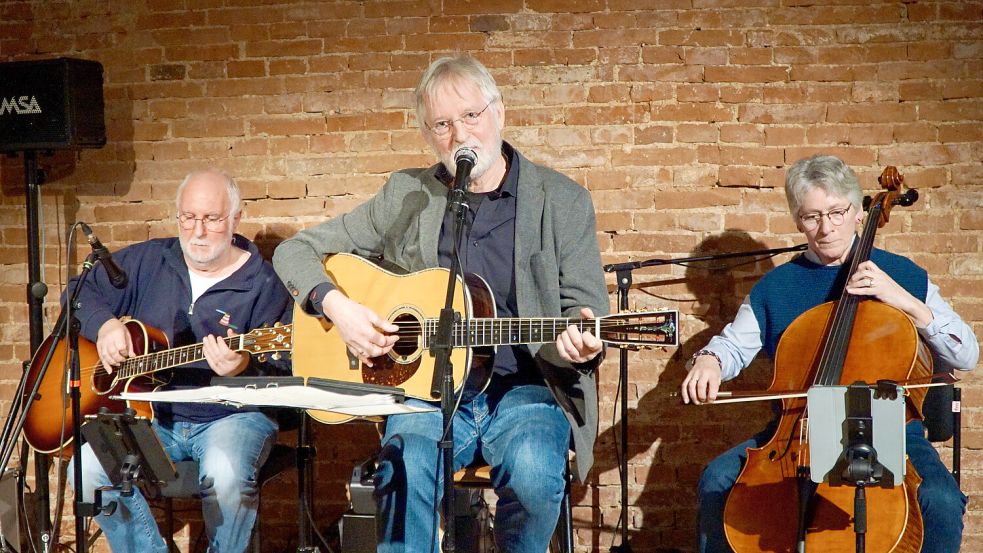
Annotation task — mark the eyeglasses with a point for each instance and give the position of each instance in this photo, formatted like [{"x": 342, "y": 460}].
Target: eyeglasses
[
  {"x": 469, "y": 119},
  {"x": 835, "y": 216},
  {"x": 210, "y": 222}
]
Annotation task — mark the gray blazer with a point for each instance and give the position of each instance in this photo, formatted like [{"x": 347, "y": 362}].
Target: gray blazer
[{"x": 557, "y": 264}]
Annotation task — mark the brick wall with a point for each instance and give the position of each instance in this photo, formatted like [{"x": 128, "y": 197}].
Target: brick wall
[{"x": 679, "y": 116}]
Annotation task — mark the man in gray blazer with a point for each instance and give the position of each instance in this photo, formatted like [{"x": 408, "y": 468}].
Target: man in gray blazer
[{"x": 530, "y": 234}]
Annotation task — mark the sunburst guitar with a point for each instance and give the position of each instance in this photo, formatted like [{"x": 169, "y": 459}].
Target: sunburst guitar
[
  {"x": 413, "y": 302},
  {"x": 48, "y": 424}
]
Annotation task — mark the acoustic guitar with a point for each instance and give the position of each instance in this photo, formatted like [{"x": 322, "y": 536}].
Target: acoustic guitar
[
  {"x": 413, "y": 302},
  {"x": 47, "y": 426}
]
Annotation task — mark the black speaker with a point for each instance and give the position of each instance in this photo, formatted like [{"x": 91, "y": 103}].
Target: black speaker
[
  {"x": 54, "y": 104},
  {"x": 9, "y": 516}
]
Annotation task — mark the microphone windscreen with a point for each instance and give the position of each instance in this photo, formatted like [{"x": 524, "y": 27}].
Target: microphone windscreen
[{"x": 465, "y": 154}]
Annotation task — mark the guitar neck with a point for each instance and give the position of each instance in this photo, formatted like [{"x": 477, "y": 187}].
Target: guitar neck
[
  {"x": 174, "y": 357},
  {"x": 509, "y": 331}
]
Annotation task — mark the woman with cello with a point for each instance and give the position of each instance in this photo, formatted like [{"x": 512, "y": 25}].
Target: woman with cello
[{"x": 824, "y": 199}]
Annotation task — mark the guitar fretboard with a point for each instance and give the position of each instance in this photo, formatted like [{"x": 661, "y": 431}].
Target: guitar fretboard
[
  {"x": 166, "y": 359},
  {"x": 508, "y": 332}
]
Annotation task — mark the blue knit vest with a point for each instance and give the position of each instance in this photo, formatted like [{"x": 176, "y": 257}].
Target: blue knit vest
[{"x": 791, "y": 289}]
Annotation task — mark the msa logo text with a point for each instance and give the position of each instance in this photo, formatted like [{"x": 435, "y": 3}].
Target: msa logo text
[{"x": 22, "y": 105}]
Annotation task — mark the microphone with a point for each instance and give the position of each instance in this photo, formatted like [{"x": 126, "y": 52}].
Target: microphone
[
  {"x": 116, "y": 275},
  {"x": 465, "y": 159}
]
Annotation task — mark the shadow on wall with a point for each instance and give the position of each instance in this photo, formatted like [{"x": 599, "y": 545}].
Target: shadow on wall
[{"x": 663, "y": 516}]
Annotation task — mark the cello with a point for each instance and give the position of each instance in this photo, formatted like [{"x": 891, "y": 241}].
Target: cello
[{"x": 774, "y": 506}]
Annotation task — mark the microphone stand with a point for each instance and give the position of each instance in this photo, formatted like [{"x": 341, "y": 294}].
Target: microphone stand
[
  {"x": 68, "y": 324},
  {"x": 624, "y": 279},
  {"x": 441, "y": 346},
  {"x": 82, "y": 509}
]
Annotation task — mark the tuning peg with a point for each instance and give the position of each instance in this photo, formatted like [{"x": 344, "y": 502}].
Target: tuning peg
[
  {"x": 262, "y": 358},
  {"x": 275, "y": 356}
]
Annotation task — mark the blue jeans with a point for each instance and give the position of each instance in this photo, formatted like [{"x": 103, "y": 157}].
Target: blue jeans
[
  {"x": 521, "y": 433},
  {"x": 229, "y": 452},
  {"x": 942, "y": 503}
]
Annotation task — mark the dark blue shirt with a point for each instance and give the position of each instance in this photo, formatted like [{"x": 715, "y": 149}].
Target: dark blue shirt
[
  {"x": 487, "y": 249},
  {"x": 775, "y": 307}
]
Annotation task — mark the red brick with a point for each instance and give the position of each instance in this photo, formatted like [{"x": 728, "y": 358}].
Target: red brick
[
  {"x": 705, "y": 112},
  {"x": 784, "y": 136},
  {"x": 657, "y": 55},
  {"x": 697, "y": 133},
  {"x": 287, "y": 126},
  {"x": 608, "y": 93},
  {"x": 914, "y": 154},
  {"x": 210, "y": 52},
  {"x": 247, "y": 68},
  {"x": 697, "y": 93},
  {"x": 705, "y": 56},
  {"x": 826, "y": 73},
  {"x": 660, "y": 73},
  {"x": 591, "y": 114},
  {"x": 781, "y": 114},
  {"x": 746, "y": 74},
  {"x": 855, "y": 157},
  {"x": 654, "y": 156},
  {"x": 654, "y": 134},
  {"x": 916, "y": 132},
  {"x": 702, "y": 38}
]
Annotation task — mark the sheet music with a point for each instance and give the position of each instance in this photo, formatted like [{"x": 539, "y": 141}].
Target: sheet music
[{"x": 301, "y": 397}]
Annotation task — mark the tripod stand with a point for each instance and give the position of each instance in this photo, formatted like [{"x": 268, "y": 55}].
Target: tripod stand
[
  {"x": 66, "y": 326},
  {"x": 36, "y": 292}
]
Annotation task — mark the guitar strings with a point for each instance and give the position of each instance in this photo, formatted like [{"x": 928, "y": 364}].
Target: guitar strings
[{"x": 407, "y": 330}]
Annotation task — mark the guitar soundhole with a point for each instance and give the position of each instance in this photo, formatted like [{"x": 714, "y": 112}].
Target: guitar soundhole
[{"x": 408, "y": 344}]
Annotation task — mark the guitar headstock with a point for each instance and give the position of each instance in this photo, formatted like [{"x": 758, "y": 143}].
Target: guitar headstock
[
  {"x": 277, "y": 338},
  {"x": 641, "y": 329}
]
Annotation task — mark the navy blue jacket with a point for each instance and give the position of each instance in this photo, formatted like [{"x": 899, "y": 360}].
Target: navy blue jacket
[{"x": 159, "y": 295}]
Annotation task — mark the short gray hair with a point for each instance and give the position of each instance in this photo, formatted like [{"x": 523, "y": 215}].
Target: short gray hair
[
  {"x": 235, "y": 196},
  {"x": 827, "y": 172},
  {"x": 447, "y": 68}
]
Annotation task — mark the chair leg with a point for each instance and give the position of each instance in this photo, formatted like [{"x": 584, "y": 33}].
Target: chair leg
[
  {"x": 169, "y": 524},
  {"x": 562, "y": 540},
  {"x": 305, "y": 478},
  {"x": 957, "y": 395},
  {"x": 255, "y": 543}
]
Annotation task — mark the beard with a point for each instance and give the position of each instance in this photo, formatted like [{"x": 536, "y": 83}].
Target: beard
[
  {"x": 203, "y": 253},
  {"x": 487, "y": 155}
]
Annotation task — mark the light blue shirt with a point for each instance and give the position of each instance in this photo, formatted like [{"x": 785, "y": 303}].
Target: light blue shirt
[{"x": 948, "y": 336}]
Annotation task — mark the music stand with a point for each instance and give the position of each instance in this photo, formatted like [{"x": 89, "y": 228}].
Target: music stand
[
  {"x": 858, "y": 440},
  {"x": 130, "y": 452}
]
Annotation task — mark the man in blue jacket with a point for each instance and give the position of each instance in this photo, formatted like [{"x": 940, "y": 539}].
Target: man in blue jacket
[{"x": 207, "y": 283}]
